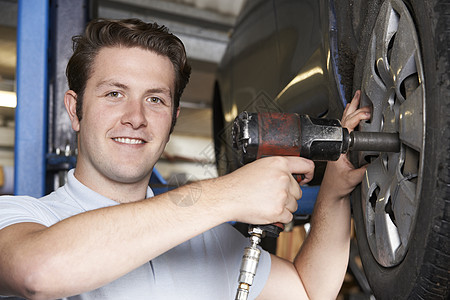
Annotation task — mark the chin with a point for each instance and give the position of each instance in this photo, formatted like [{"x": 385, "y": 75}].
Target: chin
[{"x": 130, "y": 175}]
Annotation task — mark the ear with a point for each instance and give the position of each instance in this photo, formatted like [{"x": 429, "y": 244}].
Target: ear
[
  {"x": 178, "y": 112},
  {"x": 70, "y": 101}
]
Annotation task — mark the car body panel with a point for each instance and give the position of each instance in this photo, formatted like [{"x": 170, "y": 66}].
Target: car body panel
[
  {"x": 280, "y": 49},
  {"x": 280, "y": 57}
]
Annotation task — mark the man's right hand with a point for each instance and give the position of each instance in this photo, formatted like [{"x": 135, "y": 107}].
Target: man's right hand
[{"x": 264, "y": 191}]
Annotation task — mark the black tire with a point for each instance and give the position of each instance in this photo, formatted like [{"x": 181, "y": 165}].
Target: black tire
[
  {"x": 218, "y": 133},
  {"x": 417, "y": 264},
  {"x": 225, "y": 155}
]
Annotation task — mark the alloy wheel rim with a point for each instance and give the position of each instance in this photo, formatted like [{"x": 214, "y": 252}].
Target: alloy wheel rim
[{"x": 393, "y": 85}]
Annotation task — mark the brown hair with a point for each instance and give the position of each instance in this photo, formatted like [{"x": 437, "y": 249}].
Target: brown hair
[{"x": 102, "y": 33}]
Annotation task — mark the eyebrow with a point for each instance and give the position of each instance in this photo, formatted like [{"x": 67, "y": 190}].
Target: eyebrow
[
  {"x": 161, "y": 91},
  {"x": 110, "y": 83}
]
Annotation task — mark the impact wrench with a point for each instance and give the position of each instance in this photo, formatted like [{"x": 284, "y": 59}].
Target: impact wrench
[{"x": 257, "y": 135}]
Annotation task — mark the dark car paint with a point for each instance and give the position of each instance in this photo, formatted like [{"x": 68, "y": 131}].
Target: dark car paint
[{"x": 281, "y": 49}]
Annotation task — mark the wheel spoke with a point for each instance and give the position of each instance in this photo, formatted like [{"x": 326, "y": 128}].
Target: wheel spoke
[
  {"x": 404, "y": 207},
  {"x": 375, "y": 174},
  {"x": 403, "y": 51},
  {"x": 386, "y": 234},
  {"x": 374, "y": 96},
  {"x": 370, "y": 193},
  {"x": 411, "y": 120},
  {"x": 387, "y": 238},
  {"x": 372, "y": 83},
  {"x": 381, "y": 230},
  {"x": 384, "y": 30}
]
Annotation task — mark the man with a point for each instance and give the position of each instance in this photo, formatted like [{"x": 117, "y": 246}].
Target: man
[{"x": 125, "y": 79}]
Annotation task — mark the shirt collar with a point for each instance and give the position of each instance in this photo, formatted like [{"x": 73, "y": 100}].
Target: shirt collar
[{"x": 87, "y": 198}]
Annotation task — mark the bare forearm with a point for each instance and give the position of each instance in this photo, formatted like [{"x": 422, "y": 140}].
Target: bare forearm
[
  {"x": 91, "y": 249},
  {"x": 323, "y": 259}
]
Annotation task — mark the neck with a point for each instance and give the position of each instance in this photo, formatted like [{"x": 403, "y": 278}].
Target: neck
[
  {"x": 121, "y": 192},
  {"x": 124, "y": 193}
]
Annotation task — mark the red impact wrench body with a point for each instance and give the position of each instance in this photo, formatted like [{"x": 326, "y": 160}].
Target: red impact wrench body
[{"x": 256, "y": 135}]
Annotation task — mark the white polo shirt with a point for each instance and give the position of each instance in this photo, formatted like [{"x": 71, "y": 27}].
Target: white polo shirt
[{"x": 205, "y": 267}]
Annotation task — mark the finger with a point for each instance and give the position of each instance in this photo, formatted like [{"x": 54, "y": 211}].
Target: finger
[
  {"x": 300, "y": 165},
  {"x": 352, "y": 107},
  {"x": 355, "y": 101},
  {"x": 345, "y": 113},
  {"x": 295, "y": 189},
  {"x": 353, "y": 120},
  {"x": 307, "y": 179},
  {"x": 351, "y": 110},
  {"x": 359, "y": 113},
  {"x": 286, "y": 217},
  {"x": 357, "y": 175},
  {"x": 292, "y": 205},
  {"x": 353, "y": 113}
]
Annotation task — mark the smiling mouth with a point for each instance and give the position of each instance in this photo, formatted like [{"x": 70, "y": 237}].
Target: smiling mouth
[{"x": 129, "y": 141}]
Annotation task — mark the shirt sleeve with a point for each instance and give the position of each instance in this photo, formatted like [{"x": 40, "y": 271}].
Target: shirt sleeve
[
  {"x": 15, "y": 210},
  {"x": 233, "y": 244}
]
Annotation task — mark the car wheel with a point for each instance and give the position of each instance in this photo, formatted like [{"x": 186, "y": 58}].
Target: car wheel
[{"x": 402, "y": 208}]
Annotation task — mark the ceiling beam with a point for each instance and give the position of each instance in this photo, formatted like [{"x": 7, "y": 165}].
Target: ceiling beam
[{"x": 204, "y": 33}]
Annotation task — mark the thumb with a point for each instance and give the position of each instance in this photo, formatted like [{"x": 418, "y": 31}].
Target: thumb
[{"x": 357, "y": 175}]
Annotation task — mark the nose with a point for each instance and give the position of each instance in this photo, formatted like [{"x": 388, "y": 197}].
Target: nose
[{"x": 134, "y": 114}]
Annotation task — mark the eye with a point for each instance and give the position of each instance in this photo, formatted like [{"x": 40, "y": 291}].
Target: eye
[
  {"x": 155, "y": 100},
  {"x": 114, "y": 94}
]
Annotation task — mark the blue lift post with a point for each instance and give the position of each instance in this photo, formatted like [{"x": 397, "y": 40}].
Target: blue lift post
[{"x": 31, "y": 111}]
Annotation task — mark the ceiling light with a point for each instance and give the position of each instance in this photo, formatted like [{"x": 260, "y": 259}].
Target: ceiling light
[{"x": 8, "y": 99}]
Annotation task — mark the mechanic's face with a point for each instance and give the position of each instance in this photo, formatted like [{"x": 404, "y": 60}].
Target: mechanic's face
[{"x": 127, "y": 114}]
